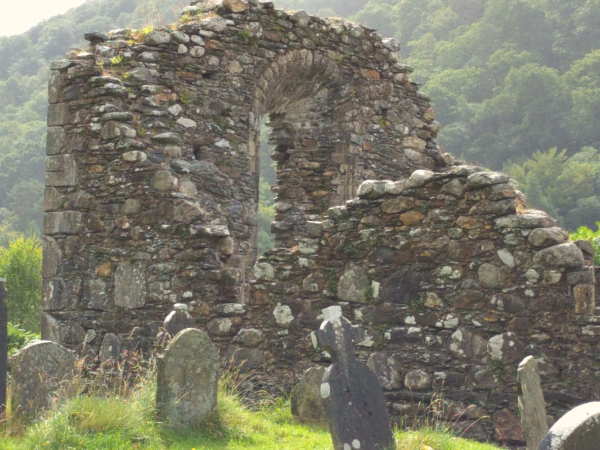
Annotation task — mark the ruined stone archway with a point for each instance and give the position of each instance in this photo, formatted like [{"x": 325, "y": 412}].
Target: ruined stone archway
[{"x": 152, "y": 178}]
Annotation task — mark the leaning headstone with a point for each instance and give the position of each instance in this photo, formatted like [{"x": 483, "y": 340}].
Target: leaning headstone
[
  {"x": 531, "y": 403},
  {"x": 3, "y": 346},
  {"x": 307, "y": 404},
  {"x": 188, "y": 374},
  {"x": 579, "y": 429},
  {"x": 38, "y": 370},
  {"x": 351, "y": 392}
]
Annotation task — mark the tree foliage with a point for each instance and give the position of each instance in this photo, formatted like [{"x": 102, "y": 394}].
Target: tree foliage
[
  {"x": 21, "y": 265},
  {"x": 508, "y": 78}
]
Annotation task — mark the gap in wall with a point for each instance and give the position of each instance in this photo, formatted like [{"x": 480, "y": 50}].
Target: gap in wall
[{"x": 266, "y": 199}]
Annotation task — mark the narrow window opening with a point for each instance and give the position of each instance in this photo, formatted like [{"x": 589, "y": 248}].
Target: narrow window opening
[{"x": 266, "y": 196}]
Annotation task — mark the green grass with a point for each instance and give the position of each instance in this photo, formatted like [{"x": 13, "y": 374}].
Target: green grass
[{"x": 112, "y": 422}]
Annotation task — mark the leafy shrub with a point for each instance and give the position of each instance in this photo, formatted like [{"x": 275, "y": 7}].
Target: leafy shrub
[
  {"x": 586, "y": 234},
  {"x": 21, "y": 265},
  {"x": 19, "y": 338}
]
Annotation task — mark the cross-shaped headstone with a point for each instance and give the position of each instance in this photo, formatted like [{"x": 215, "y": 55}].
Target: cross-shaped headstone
[
  {"x": 3, "y": 345},
  {"x": 352, "y": 394}
]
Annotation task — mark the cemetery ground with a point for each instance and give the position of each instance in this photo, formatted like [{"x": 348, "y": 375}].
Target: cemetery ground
[{"x": 125, "y": 418}]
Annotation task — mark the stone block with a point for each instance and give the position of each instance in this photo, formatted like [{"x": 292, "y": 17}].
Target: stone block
[
  {"x": 50, "y": 328},
  {"x": 61, "y": 171},
  {"x": 59, "y": 114},
  {"x": 353, "y": 285},
  {"x": 52, "y": 257},
  {"x": 66, "y": 222},
  {"x": 491, "y": 276},
  {"x": 585, "y": 299},
  {"x": 54, "y": 87},
  {"x": 562, "y": 256},
  {"x": 249, "y": 337},
  {"x": 56, "y": 140},
  {"x": 38, "y": 370},
  {"x": 187, "y": 380},
  {"x": 54, "y": 295},
  {"x": 96, "y": 296},
  {"x": 546, "y": 237},
  {"x": 307, "y": 404},
  {"x": 508, "y": 427},
  {"x": 131, "y": 289},
  {"x": 388, "y": 369},
  {"x": 505, "y": 348}
]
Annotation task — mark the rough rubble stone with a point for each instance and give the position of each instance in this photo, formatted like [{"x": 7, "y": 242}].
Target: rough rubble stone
[
  {"x": 37, "y": 371},
  {"x": 307, "y": 404},
  {"x": 155, "y": 38},
  {"x": 508, "y": 427},
  {"x": 546, "y": 237},
  {"x": 187, "y": 380},
  {"x": 562, "y": 256},
  {"x": 505, "y": 348},
  {"x": 352, "y": 285},
  {"x": 387, "y": 368}
]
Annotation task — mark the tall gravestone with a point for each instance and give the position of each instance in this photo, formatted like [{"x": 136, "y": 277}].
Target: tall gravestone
[
  {"x": 3, "y": 346},
  {"x": 579, "y": 429},
  {"x": 187, "y": 379},
  {"x": 531, "y": 403},
  {"x": 39, "y": 370},
  {"x": 351, "y": 391}
]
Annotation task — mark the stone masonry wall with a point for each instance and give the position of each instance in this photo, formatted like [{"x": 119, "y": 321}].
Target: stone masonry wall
[
  {"x": 152, "y": 167},
  {"x": 454, "y": 283}
]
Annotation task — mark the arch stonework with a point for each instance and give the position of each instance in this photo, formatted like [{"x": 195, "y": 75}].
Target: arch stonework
[{"x": 151, "y": 200}]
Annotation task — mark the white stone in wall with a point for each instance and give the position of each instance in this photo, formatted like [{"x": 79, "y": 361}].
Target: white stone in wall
[{"x": 283, "y": 315}]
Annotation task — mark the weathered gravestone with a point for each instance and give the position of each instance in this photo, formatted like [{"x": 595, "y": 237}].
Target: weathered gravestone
[
  {"x": 38, "y": 370},
  {"x": 579, "y": 429},
  {"x": 3, "y": 346},
  {"x": 188, "y": 374},
  {"x": 351, "y": 392},
  {"x": 307, "y": 404},
  {"x": 531, "y": 403}
]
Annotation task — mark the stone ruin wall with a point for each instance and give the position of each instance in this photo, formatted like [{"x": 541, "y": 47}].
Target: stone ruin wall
[
  {"x": 454, "y": 283},
  {"x": 153, "y": 157},
  {"x": 151, "y": 200}
]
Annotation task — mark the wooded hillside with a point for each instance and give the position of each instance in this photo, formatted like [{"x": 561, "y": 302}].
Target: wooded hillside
[{"x": 515, "y": 84}]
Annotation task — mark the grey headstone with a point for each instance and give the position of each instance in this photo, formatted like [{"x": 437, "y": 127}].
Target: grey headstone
[
  {"x": 177, "y": 321},
  {"x": 110, "y": 348},
  {"x": 37, "y": 372},
  {"x": 531, "y": 403},
  {"x": 351, "y": 391},
  {"x": 3, "y": 346},
  {"x": 188, "y": 374},
  {"x": 579, "y": 429},
  {"x": 307, "y": 404}
]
